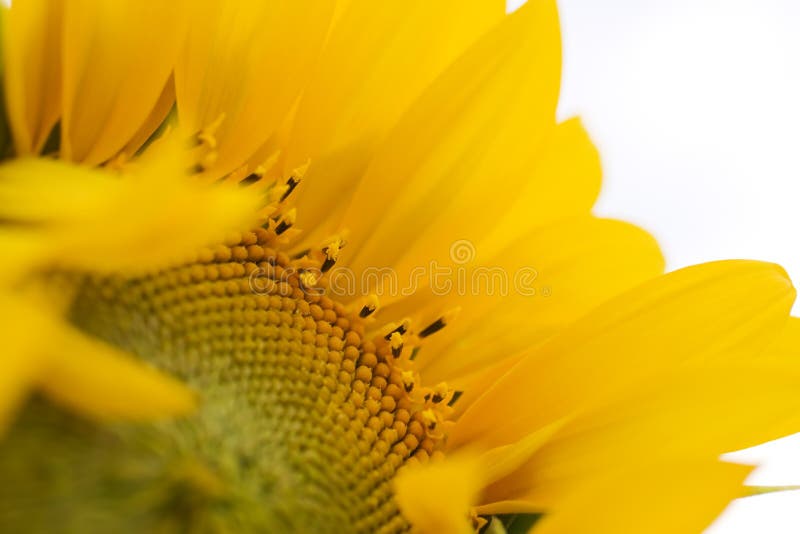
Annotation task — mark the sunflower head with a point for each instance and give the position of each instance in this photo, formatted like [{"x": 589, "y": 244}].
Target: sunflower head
[
  {"x": 312, "y": 401},
  {"x": 329, "y": 266}
]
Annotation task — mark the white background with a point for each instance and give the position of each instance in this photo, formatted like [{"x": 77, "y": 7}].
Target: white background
[{"x": 695, "y": 106}]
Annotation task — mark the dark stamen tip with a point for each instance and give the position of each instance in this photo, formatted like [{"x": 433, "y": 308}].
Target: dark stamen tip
[
  {"x": 456, "y": 396},
  {"x": 250, "y": 179},
  {"x": 291, "y": 183},
  {"x": 197, "y": 168},
  {"x": 327, "y": 264},
  {"x": 432, "y": 328},
  {"x": 400, "y": 330}
]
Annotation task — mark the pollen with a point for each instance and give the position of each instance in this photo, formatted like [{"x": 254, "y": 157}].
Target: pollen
[{"x": 345, "y": 408}]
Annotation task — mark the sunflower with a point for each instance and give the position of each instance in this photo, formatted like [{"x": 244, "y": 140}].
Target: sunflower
[{"x": 220, "y": 222}]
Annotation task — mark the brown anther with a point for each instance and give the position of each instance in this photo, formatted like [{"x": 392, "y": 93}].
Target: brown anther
[
  {"x": 369, "y": 306},
  {"x": 402, "y": 329},
  {"x": 291, "y": 184},
  {"x": 432, "y": 328},
  {"x": 455, "y": 397}
]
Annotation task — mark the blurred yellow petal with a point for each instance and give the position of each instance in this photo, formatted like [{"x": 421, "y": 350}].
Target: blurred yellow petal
[
  {"x": 244, "y": 65},
  {"x": 26, "y": 249},
  {"x": 88, "y": 376},
  {"x": 436, "y": 497},
  {"x": 32, "y": 40},
  {"x": 17, "y": 372},
  {"x": 23, "y": 330},
  {"x": 95, "y": 379},
  {"x": 117, "y": 59},
  {"x": 687, "y": 315},
  {"x": 147, "y": 218},
  {"x": 380, "y": 57}
]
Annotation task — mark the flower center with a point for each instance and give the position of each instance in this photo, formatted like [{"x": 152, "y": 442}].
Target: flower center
[{"x": 305, "y": 414}]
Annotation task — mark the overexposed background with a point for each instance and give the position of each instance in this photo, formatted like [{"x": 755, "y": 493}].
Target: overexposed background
[{"x": 695, "y": 106}]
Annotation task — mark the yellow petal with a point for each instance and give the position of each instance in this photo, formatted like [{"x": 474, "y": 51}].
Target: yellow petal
[
  {"x": 475, "y": 384},
  {"x": 380, "y": 57},
  {"x": 658, "y": 499},
  {"x": 243, "y": 67},
  {"x": 93, "y": 220},
  {"x": 553, "y": 275},
  {"x": 693, "y": 413},
  {"x": 117, "y": 59},
  {"x": 785, "y": 347},
  {"x": 341, "y": 7},
  {"x": 466, "y": 147},
  {"x": 691, "y": 314},
  {"x": 565, "y": 180},
  {"x": 717, "y": 408},
  {"x": 503, "y": 461},
  {"x": 97, "y": 380},
  {"x": 31, "y": 33},
  {"x": 159, "y": 114},
  {"x": 436, "y": 497}
]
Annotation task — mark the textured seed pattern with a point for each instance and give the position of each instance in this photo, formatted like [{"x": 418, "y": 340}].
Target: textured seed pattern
[{"x": 341, "y": 410}]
